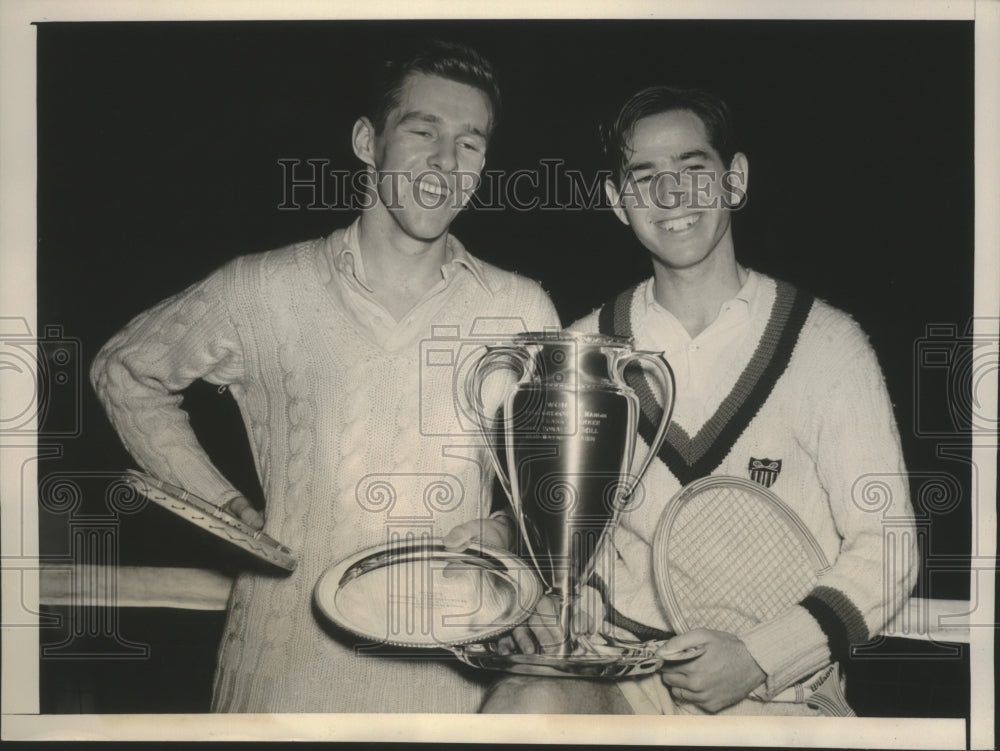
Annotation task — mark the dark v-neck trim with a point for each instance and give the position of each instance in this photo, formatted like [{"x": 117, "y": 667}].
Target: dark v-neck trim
[{"x": 692, "y": 458}]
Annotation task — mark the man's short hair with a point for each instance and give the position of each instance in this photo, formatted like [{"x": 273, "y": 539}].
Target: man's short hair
[
  {"x": 450, "y": 60},
  {"x": 655, "y": 100}
]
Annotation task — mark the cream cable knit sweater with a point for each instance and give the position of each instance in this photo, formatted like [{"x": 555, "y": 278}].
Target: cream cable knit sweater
[
  {"x": 829, "y": 420},
  {"x": 354, "y": 445}
]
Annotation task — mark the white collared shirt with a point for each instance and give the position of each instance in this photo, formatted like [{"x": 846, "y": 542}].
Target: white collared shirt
[
  {"x": 705, "y": 366},
  {"x": 349, "y": 281}
]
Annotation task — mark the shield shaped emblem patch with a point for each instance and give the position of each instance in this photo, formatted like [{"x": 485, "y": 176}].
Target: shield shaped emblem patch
[{"x": 764, "y": 471}]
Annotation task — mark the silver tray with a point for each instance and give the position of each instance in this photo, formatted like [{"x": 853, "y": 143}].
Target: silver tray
[
  {"x": 421, "y": 594},
  {"x": 607, "y": 659}
]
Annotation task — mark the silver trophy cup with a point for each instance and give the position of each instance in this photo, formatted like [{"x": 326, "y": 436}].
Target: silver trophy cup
[{"x": 563, "y": 444}]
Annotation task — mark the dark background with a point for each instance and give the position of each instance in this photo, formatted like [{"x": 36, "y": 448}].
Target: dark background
[{"x": 158, "y": 160}]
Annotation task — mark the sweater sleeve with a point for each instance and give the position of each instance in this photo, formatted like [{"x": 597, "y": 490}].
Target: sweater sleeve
[
  {"x": 140, "y": 373},
  {"x": 860, "y": 466}
]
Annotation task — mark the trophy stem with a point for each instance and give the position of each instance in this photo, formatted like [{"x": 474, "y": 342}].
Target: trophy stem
[
  {"x": 567, "y": 606},
  {"x": 573, "y": 643}
]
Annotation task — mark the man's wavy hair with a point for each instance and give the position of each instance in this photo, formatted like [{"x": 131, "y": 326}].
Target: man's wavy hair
[
  {"x": 449, "y": 60},
  {"x": 616, "y": 135}
]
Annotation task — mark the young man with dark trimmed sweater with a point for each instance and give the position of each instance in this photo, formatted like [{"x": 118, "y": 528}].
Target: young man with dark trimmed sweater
[{"x": 771, "y": 385}]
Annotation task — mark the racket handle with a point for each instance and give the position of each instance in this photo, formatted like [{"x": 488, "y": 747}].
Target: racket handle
[
  {"x": 822, "y": 692},
  {"x": 828, "y": 696}
]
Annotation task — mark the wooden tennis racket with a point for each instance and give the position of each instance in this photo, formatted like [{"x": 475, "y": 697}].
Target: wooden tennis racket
[{"x": 729, "y": 554}]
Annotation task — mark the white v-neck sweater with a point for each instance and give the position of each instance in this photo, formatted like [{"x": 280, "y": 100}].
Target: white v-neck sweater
[{"x": 829, "y": 422}]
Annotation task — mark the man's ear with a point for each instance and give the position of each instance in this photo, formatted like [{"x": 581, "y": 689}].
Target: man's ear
[
  {"x": 615, "y": 199},
  {"x": 737, "y": 180},
  {"x": 363, "y": 141}
]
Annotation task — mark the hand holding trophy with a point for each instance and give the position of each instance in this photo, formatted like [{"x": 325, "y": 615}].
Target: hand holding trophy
[{"x": 563, "y": 445}]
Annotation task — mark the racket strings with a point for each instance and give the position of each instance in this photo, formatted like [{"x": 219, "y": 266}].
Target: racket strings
[{"x": 733, "y": 561}]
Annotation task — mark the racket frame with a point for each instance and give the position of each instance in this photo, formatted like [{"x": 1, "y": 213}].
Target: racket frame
[{"x": 821, "y": 690}]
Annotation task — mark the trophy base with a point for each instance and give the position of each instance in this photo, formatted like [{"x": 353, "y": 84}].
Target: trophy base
[{"x": 609, "y": 660}]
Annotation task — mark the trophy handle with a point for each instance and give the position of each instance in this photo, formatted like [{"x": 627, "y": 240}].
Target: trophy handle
[
  {"x": 495, "y": 358},
  {"x": 659, "y": 364}
]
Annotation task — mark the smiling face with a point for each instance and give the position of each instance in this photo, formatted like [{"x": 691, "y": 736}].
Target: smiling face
[
  {"x": 673, "y": 193},
  {"x": 429, "y": 157}
]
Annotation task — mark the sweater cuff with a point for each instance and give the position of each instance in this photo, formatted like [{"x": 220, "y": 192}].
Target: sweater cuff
[
  {"x": 788, "y": 648},
  {"x": 225, "y": 498},
  {"x": 839, "y": 619}
]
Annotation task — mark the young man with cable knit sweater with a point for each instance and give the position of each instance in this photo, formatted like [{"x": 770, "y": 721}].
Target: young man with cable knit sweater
[
  {"x": 320, "y": 345},
  {"x": 771, "y": 385}
]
